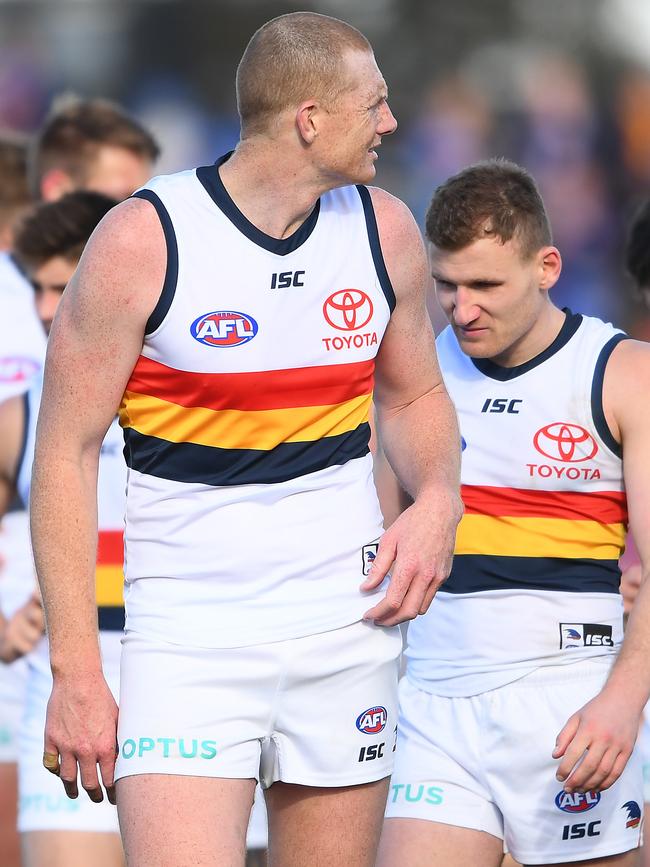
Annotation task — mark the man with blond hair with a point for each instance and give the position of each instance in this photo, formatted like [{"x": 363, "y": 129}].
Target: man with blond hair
[{"x": 241, "y": 316}]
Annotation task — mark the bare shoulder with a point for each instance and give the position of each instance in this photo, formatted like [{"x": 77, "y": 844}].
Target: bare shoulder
[
  {"x": 626, "y": 387},
  {"x": 124, "y": 262},
  {"x": 401, "y": 242}
]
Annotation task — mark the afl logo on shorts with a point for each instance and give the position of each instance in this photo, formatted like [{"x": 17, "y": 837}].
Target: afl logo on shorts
[
  {"x": 224, "y": 328},
  {"x": 373, "y": 720},
  {"x": 576, "y": 802},
  {"x": 566, "y": 442},
  {"x": 348, "y": 309}
]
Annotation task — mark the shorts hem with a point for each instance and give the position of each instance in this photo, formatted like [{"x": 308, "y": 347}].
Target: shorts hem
[
  {"x": 327, "y": 781},
  {"x": 187, "y": 772},
  {"x": 603, "y": 851},
  {"x": 445, "y": 820},
  {"x": 65, "y": 828}
]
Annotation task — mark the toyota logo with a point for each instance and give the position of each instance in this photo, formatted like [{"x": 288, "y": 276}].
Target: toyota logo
[
  {"x": 348, "y": 309},
  {"x": 564, "y": 441}
]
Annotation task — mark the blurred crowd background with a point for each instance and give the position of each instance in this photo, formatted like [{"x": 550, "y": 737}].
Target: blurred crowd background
[{"x": 560, "y": 86}]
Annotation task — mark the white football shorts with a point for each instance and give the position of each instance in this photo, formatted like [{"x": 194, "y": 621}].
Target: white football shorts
[
  {"x": 317, "y": 711},
  {"x": 643, "y": 744},
  {"x": 484, "y": 762},
  {"x": 13, "y": 685}
]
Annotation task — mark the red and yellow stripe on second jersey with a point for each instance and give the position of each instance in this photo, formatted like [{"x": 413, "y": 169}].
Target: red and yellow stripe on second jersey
[
  {"x": 109, "y": 574},
  {"x": 509, "y": 522},
  {"x": 247, "y": 410}
]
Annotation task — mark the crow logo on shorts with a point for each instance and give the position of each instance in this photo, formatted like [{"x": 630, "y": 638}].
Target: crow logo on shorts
[
  {"x": 373, "y": 720},
  {"x": 633, "y": 814},
  {"x": 368, "y": 554}
]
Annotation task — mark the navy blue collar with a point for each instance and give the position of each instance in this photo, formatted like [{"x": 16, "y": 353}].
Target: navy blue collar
[
  {"x": 211, "y": 180},
  {"x": 503, "y": 374}
]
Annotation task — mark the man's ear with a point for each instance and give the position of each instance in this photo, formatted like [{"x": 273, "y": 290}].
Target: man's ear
[
  {"x": 55, "y": 183},
  {"x": 307, "y": 120},
  {"x": 550, "y": 265}
]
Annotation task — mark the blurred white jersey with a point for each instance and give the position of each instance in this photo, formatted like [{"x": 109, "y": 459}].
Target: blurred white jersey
[
  {"x": 535, "y": 579},
  {"x": 22, "y": 337},
  {"x": 252, "y": 514}
]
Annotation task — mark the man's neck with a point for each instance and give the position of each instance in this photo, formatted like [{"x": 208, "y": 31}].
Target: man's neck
[
  {"x": 546, "y": 328},
  {"x": 272, "y": 190}
]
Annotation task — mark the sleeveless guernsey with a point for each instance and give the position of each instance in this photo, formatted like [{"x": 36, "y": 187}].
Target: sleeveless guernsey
[
  {"x": 251, "y": 509},
  {"x": 111, "y": 487},
  {"x": 535, "y": 579}
]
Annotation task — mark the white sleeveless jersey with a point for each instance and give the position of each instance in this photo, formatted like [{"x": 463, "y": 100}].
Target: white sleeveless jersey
[
  {"x": 535, "y": 578},
  {"x": 111, "y": 497},
  {"x": 22, "y": 338},
  {"x": 251, "y": 512}
]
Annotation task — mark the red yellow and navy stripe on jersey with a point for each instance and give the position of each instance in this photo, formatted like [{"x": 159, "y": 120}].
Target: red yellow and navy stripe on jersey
[
  {"x": 109, "y": 579},
  {"x": 245, "y": 428},
  {"x": 539, "y": 539}
]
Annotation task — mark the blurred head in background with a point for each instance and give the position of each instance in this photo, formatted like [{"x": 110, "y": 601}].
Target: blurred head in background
[
  {"x": 15, "y": 197},
  {"x": 50, "y": 242},
  {"x": 637, "y": 251},
  {"x": 91, "y": 145}
]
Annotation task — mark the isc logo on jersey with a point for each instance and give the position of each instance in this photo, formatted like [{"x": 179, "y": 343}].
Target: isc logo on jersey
[
  {"x": 373, "y": 720},
  {"x": 224, "y": 328},
  {"x": 576, "y": 802}
]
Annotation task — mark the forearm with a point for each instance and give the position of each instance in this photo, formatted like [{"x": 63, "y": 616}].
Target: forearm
[
  {"x": 64, "y": 537},
  {"x": 630, "y": 675},
  {"x": 422, "y": 443}
]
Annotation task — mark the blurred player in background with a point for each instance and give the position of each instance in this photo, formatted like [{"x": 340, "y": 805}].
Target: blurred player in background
[
  {"x": 555, "y": 423},
  {"x": 637, "y": 262},
  {"x": 89, "y": 144},
  {"x": 252, "y": 649},
  {"x": 56, "y": 831}
]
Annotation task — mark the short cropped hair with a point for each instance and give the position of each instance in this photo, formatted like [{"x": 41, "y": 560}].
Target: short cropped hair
[
  {"x": 291, "y": 58},
  {"x": 492, "y": 199},
  {"x": 637, "y": 248},
  {"x": 60, "y": 228},
  {"x": 14, "y": 188},
  {"x": 76, "y": 129}
]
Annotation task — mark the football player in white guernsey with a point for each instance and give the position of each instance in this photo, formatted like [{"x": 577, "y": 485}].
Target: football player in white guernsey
[
  {"x": 240, "y": 313},
  {"x": 521, "y": 702}
]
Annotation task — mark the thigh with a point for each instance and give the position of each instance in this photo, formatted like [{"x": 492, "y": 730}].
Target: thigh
[
  {"x": 325, "y": 827},
  {"x": 337, "y": 712},
  {"x": 421, "y": 843},
  {"x": 71, "y": 849},
  {"x": 184, "y": 821},
  {"x": 9, "y": 843}
]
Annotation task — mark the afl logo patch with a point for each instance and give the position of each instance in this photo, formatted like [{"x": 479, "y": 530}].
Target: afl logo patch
[
  {"x": 576, "y": 802},
  {"x": 224, "y": 328},
  {"x": 566, "y": 442},
  {"x": 348, "y": 309},
  {"x": 373, "y": 720}
]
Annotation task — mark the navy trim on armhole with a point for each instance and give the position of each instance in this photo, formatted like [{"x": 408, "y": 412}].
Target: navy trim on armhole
[
  {"x": 597, "y": 411},
  {"x": 24, "y": 438},
  {"x": 375, "y": 246},
  {"x": 171, "y": 274}
]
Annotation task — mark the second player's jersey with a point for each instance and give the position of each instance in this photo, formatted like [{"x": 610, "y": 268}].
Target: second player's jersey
[
  {"x": 535, "y": 578},
  {"x": 22, "y": 338},
  {"x": 252, "y": 514},
  {"x": 111, "y": 498}
]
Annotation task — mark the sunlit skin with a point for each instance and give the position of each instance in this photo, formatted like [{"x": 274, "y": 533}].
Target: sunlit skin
[
  {"x": 49, "y": 280},
  {"x": 353, "y": 127},
  {"x": 496, "y": 300}
]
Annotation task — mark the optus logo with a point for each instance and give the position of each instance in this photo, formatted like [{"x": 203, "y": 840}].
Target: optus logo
[
  {"x": 566, "y": 442},
  {"x": 348, "y": 309},
  {"x": 415, "y": 792},
  {"x": 169, "y": 748}
]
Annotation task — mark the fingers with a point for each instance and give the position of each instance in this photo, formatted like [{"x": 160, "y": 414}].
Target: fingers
[
  {"x": 588, "y": 766},
  {"x": 68, "y": 774},
  {"x": 616, "y": 771},
  {"x": 89, "y": 778},
  {"x": 565, "y": 737},
  {"x": 107, "y": 770},
  {"x": 382, "y": 563}
]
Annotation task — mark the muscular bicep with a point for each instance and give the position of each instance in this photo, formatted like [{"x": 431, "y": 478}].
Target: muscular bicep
[
  {"x": 98, "y": 331},
  {"x": 407, "y": 366},
  {"x": 626, "y": 389}
]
